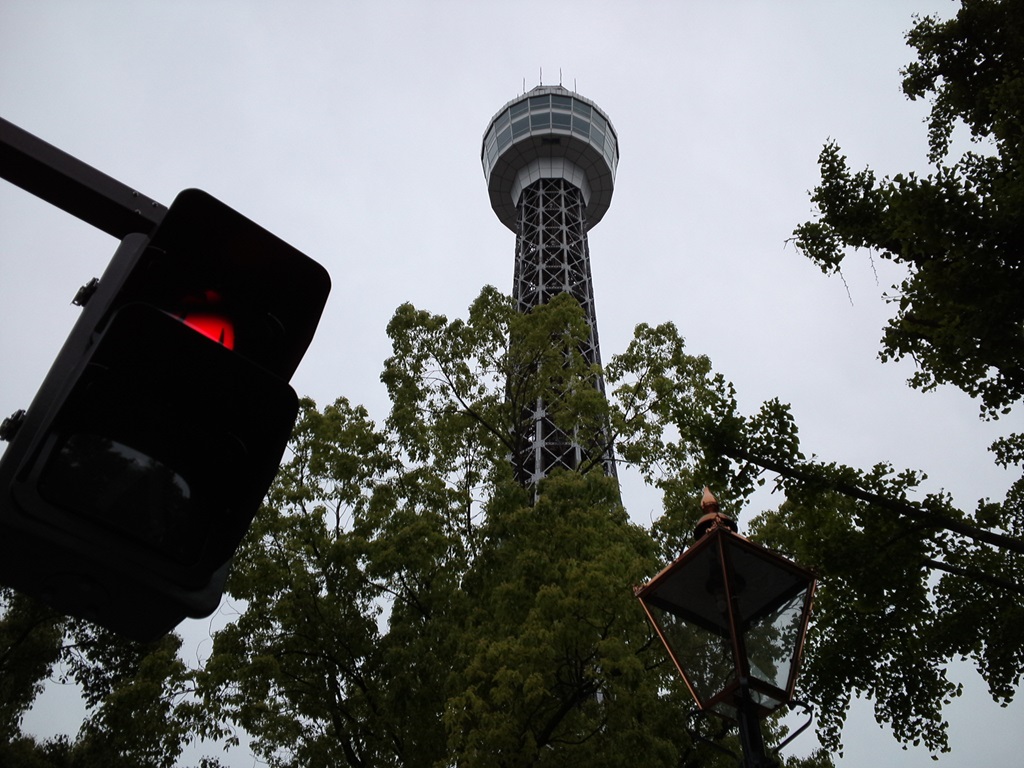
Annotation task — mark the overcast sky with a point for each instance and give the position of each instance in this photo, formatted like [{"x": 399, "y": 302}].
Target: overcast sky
[{"x": 353, "y": 130}]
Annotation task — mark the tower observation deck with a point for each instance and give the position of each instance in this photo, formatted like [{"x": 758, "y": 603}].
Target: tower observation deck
[{"x": 549, "y": 158}]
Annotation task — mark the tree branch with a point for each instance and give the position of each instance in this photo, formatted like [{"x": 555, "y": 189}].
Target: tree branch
[{"x": 903, "y": 508}]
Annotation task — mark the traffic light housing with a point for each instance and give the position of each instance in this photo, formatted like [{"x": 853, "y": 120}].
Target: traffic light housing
[{"x": 139, "y": 465}]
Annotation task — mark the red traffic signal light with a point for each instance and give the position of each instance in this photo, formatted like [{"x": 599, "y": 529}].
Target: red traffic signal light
[
  {"x": 203, "y": 312},
  {"x": 139, "y": 465}
]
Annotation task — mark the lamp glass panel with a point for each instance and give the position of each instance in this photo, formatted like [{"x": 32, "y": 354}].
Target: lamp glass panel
[
  {"x": 691, "y": 607},
  {"x": 693, "y": 589},
  {"x": 773, "y": 640},
  {"x": 705, "y": 657}
]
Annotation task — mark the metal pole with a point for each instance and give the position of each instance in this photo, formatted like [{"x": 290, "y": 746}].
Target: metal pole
[{"x": 750, "y": 733}]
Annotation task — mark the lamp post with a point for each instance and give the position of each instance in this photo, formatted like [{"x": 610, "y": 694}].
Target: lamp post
[{"x": 733, "y": 616}]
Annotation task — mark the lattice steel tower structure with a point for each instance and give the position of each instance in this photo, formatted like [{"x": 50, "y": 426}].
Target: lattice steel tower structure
[{"x": 549, "y": 159}]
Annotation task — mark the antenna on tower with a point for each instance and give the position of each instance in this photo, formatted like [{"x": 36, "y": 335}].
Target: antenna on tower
[
  {"x": 574, "y": 85},
  {"x": 559, "y": 75},
  {"x": 524, "y": 85},
  {"x": 541, "y": 75}
]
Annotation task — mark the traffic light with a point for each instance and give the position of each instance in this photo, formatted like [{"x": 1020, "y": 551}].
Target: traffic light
[{"x": 133, "y": 475}]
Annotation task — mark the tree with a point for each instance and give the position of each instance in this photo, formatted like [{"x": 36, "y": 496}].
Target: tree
[
  {"x": 408, "y": 601},
  {"x": 552, "y": 665},
  {"x": 404, "y": 598},
  {"x": 132, "y": 691},
  {"x": 881, "y": 627},
  {"x": 957, "y": 230},
  {"x": 959, "y": 233},
  {"x": 29, "y": 647},
  {"x": 884, "y": 626}
]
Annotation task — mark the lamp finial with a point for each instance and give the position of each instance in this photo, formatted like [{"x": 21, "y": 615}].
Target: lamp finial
[{"x": 712, "y": 517}]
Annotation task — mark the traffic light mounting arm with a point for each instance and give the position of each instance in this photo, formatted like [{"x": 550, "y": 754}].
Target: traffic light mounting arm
[{"x": 73, "y": 186}]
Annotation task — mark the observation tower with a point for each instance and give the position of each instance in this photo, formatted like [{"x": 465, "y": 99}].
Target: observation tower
[{"x": 549, "y": 159}]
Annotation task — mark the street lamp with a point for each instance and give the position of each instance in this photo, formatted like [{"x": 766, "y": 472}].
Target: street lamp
[{"x": 733, "y": 616}]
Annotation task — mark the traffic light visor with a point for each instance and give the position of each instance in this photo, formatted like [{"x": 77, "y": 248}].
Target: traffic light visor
[{"x": 230, "y": 279}]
